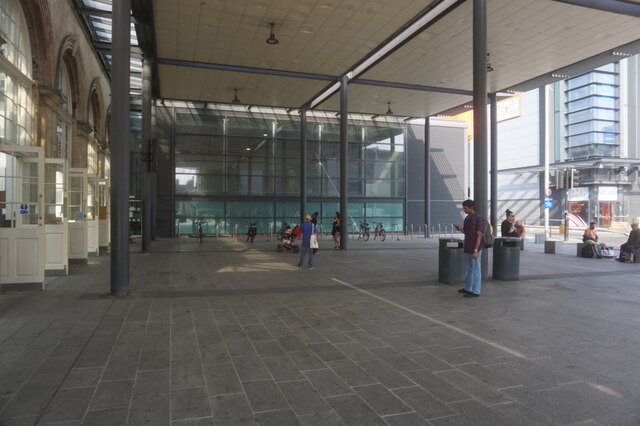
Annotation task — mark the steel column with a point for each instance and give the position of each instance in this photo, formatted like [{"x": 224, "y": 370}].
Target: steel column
[
  {"x": 344, "y": 152},
  {"x": 121, "y": 29},
  {"x": 303, "y": 163},
  {"x": 493, "y": 98},
  {"x": 146, "y": 163},
  {"x": 427, "y": 176},
  {"x": 480, "y": 114},
  {"x": 480, "y": 106}
]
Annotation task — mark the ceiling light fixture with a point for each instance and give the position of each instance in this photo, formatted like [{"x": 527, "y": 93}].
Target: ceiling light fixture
[
  {"x": 489, "y": 67},
  {"x": 272, "y": 36},
  {"x": 389, "y": 112},
  {"x": 235, "y": 97},
  {"x": 558, "y": 75},
  {"x": 617, "y": 53}
]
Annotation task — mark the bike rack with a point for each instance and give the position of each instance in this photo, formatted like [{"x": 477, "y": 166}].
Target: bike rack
[
  {"x": 270, "y": 231},
  {"x": 235, "y": 232},
  {"x": 411, "y": 232}
]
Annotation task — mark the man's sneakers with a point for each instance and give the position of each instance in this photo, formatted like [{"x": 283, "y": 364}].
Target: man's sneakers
[
  {"x": 463, "y": 290},
  {"x": 468, "y": 294}
]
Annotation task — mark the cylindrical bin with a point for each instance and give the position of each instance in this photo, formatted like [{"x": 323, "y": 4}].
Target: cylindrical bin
[
  {"x": 506, "y": 259},
  {"x": 451, "y": 265}
]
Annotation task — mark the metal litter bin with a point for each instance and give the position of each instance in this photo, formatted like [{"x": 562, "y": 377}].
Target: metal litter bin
[
  {"x": 451, "y": 264},
  {"x": 506, "y": 259}
]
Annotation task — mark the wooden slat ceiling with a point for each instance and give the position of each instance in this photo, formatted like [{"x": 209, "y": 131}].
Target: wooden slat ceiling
[{"x": 526, "y": 39}]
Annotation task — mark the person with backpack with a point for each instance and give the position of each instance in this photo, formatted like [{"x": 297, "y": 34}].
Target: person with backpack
[{"x": 474, "y": 234}]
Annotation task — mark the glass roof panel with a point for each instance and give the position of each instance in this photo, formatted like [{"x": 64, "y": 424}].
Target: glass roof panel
[{"x": 100, "y": 28}]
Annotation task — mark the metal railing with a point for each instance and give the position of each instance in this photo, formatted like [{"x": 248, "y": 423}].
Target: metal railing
[
  {"x": 270, "y": 232},
  {"x": 235, "y": 232}
]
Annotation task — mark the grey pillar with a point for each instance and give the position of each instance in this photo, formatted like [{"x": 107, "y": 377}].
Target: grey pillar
[
  {"x": 480, "y": 171},
  {"x": 494, "y": 162},
  {"x": 344, "y": 152},
  {"x": 303, "y": 163},
  {"x": 146, "y": 164},
  {"x": 480, "y": 152},
  {"x": 542, "y": 135},
  {"x": 120, "y": 148},
  {"x": 427, "y": 176}
]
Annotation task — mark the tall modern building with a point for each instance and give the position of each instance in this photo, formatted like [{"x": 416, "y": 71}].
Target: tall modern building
[{"x": 589, "y": 124}]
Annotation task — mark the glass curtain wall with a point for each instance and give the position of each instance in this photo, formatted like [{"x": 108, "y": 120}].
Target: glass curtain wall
[
  {"x": 233, "y": 170},
  {"x": 592, "y": 111}
]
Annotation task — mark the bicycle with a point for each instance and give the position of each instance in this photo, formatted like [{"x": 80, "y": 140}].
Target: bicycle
[
  {"x": 380, "y": 232},
  {"x": 199, "y": 232},
  {"x": 364, "y": 231}
]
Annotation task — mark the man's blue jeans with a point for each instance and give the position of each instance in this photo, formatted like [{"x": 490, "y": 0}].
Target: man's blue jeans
[
  {"x": 303, "y": 252},
  {"x": 474, "y": 275}
]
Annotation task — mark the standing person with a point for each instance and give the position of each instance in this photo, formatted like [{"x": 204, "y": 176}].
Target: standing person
[
  {"x": 473, "y": 229},
  {"x": 306, "y": 229},
  {"x": 314, "y": 220},
  {"x": 335, "y": 230}
]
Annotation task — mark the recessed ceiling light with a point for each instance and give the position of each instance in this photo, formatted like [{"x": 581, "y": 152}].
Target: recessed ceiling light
[{"x": 247, "y": 149}]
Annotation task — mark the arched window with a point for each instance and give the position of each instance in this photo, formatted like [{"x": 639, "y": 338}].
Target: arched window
[
  {"x": 17, "y": 112},
  {"x": 63, "y": 133}
]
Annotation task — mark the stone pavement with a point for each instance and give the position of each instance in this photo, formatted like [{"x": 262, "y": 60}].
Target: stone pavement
[{"x": 226, "y": 334}]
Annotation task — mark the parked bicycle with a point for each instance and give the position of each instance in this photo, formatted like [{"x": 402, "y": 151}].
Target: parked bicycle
[
  {"x": 380, "y": 232},
  {"x": 364, "y": 231}
]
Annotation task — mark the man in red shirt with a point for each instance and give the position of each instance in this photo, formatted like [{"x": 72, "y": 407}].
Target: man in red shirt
[{"x": 473, "y": 229}]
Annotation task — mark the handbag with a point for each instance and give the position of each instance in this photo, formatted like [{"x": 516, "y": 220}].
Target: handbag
[{"x": 314, "y": 242}]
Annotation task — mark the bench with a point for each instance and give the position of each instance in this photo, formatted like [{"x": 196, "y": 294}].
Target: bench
[{"x": 552, "y": 246}]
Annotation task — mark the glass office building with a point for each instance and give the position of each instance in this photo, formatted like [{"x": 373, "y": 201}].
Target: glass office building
[
  {"x": 592, "y": 114},
  {"x": 232, "y": 169}
]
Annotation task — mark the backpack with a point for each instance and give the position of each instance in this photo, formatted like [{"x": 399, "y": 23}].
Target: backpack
[
  {"x": 488, "y": 240},
  {"x": 587, "y": 251}
]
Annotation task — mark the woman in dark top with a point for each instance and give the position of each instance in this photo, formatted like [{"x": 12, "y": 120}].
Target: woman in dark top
[
  {"x": 509, "y": 228},
  {"x": 335, "y": 230}
]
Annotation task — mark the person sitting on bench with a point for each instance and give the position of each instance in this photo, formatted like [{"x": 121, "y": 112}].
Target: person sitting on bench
[
  {"x": 631, "y": 246},
  {"x": 591, "y": 237}
]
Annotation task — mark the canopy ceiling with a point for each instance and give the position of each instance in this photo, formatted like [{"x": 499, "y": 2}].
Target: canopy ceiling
[{"x": 527, "y": 40}]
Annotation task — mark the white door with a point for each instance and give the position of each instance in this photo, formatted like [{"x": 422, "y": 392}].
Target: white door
[
  {"x": 56, "y": 227},
  {"x": 76, "y": 215},
  {"x": 104, "y": 233},
  {"x": 93, "y": 230},
  {"x": 21, "y": 220}
]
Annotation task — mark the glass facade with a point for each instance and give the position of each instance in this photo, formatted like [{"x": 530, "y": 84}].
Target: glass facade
[
  {"x": 233, "y": 169},
  {"x": 592, "y": 114}
]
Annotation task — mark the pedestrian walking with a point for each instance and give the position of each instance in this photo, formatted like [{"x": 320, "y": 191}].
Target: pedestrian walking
[{"x": 308, "y": 231}]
